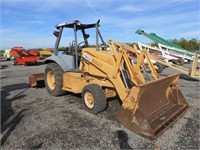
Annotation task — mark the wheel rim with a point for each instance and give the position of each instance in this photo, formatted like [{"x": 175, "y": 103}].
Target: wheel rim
[
  {"x": 51, "y": 80},
  {"x": 89, "y": 100}
]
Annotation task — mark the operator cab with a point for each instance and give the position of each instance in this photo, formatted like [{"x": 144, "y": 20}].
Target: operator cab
[{"x": 72, "y": 41}]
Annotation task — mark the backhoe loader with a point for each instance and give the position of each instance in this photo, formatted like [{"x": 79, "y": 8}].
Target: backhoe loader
[{"x": 104, "y": 71}]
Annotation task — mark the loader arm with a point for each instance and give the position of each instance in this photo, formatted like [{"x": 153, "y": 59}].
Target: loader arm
[
  {"x": 117, "y": 69},
  {"x": 122, "y": 59},
  {"x": 140, "y": 59}
]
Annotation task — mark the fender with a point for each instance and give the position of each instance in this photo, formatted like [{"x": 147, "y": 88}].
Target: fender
[{"x": 66, "y": 62}]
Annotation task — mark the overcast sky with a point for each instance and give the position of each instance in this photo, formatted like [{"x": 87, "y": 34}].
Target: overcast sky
[{"x": 30, "y": 23}]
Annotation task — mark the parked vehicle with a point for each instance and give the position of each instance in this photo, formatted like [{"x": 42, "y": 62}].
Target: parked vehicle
[
  {"x": 169, "y": 47},
  {"x": 23, "y": 57}
]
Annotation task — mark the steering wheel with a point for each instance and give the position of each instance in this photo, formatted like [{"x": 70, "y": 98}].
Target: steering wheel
[{"x": 79, "y": 44}]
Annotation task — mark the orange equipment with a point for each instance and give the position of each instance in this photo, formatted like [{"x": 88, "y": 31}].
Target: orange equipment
[
  {"x": 34, "y": 52},
  {"x": 23, "y": 57}
]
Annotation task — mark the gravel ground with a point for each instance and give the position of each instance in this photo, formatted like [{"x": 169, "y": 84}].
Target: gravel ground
[{"x": 32, "y": 119}]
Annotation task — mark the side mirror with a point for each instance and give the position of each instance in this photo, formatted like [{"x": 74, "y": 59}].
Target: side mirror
[{"x": 56, "y": 33}]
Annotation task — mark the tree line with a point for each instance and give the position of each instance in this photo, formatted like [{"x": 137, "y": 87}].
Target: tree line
[{"x": 192, "y": 44}]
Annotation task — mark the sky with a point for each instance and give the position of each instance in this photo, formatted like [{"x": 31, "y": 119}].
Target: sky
[{"x": 30, "y": 23}]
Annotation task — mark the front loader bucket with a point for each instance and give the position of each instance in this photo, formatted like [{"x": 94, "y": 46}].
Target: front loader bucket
[{"x": 156, "y": 105}]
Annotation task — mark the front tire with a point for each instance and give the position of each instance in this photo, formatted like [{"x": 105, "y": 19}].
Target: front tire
[
  {"x": 94, "y": 98},
  {"x": 54, "y": 79}
]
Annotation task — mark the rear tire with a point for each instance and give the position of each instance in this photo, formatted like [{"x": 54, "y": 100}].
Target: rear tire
[
  {"x": 94, "y": 98},
  {"x": 54, "y": 79}
]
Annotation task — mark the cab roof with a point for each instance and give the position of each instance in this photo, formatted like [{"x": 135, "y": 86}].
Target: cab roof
[{"x": 78, "y": 24}]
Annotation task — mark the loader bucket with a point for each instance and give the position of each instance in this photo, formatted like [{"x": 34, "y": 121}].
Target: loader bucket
[{"x": 156, "y": 105}]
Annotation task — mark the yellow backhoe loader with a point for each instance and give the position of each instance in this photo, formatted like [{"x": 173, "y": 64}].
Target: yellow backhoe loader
[{"x": 104, "y": 71}]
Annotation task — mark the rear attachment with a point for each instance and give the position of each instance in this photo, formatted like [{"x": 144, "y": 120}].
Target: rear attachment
[
  {"x": 152, "y": 107},
  {"x": 36, "y": 80}
]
